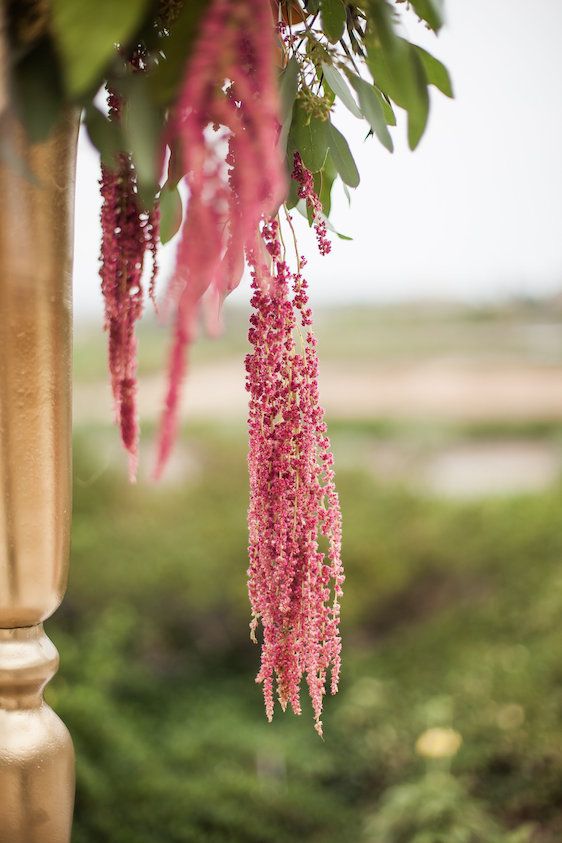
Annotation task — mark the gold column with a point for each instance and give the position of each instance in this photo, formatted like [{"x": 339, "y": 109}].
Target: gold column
[{"x": 36, "y": 754}]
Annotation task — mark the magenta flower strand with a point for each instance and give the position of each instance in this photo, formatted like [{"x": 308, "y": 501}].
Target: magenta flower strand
[
  {"x": 305, "y": 181},
  {"x": 127, "y": 233},
  {"x": 227, "y": 124},
  {"x": 294, "y": 586}
]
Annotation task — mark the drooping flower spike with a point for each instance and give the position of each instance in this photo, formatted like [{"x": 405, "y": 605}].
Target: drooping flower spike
[
  {"x": 227, "y": 124},
  {"x": 305, "y": 181},
  {"x": 294, "y": 586},
  {"x": 127, "y": 233}
]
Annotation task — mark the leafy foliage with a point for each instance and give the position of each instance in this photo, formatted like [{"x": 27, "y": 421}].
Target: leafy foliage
[
  {"x": 329, "y": 51},
  {"x": 85, "y": 34}
]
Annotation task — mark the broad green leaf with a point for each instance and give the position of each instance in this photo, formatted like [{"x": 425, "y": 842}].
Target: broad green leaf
[
  {"x": 398, "y": 71},
  {"x": 391, "y": 59},
  {"x": 342, "y": 157},
  {"x": 312, "y": 6},
  {"x": 175, "y": 165},
  {"x": 418, "y": 112},
  {"x": 392, "y": 70},
  {"x": 372, "y": 109},
  {"x": 332, "y": 13},
  {"x": 105, "y": 134},
  {"x": 323, "y": 183},
  {"x": 308, "y": 136},
  {"x": 293, "y": 194},
  {"x": 171, "y": 212},
  {"x": 142, "y": 127},
  {"x": 86, "y": 34},
  {"x": 340, "y": 88},
  {"x": 436, "y": 72},
  {"x": 287, "y": 92},
  {"x": 37, "y": 91},
  {"x": 167, "y": 77},
  {"x": 389, "y": 114},
  {"x": 431, "y": 11}
]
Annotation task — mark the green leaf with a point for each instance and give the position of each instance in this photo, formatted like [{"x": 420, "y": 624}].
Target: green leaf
[
  {"x": 37, "y": 91},
  {"x": 436, "y": 72},
  {"x": 142, "y": 128},
  {"x": 340, "y": 88},
  {"x": 323, "y": 183},
  {"x": 342, "y": 157},
  {"x": 105, "y": 134},
  {"x": 389, "y": 114},
  {"x": 431, "y": 11},
  {"x": 166, "y": 78},
  {"x": 398, "y": 71},
  {"x": 392, "y": 70},
  {"x": 332, "y": 13},
  {"x": 86, "y": 34},
  {"x": 308, "y": 136},
  {"x": 287, "y": 92},
  {"x": 418, "y": 112},
  {"x": 175, "y": 165},
  {"x": 171, "y": 212},
  {"x": 372, "y": 109},
  {"x": 293, "y": 194}
]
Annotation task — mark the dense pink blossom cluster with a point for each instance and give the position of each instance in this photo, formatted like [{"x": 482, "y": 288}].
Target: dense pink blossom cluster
[
  {"x": 305, "y": 181},
  {"x": 227, "y": 125},
  {"x": 127, "y": 233},
  {"x": 294, "y": 586}
]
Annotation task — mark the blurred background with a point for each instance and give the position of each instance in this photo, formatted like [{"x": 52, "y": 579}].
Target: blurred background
[{"x": 440, "y": 342}]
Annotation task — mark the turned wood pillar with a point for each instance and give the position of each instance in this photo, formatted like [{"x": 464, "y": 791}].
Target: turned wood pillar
[{"x": 36, "y": 214}]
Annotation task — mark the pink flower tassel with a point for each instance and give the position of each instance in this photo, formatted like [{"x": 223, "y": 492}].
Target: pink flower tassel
[
  {"x": 294, "y": 587},
  {"x": 234, "y": 172},
  {"x": 127, "y": 232}
]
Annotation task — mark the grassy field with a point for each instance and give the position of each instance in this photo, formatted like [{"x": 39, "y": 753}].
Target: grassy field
[
  {"x": 525, "y": 332},
  {"x": 451, "y": 623}
]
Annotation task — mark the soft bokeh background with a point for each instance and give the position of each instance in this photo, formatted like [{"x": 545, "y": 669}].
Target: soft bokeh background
[{"x": 440, "y": 339}]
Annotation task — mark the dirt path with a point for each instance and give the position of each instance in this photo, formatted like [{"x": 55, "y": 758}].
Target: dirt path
[{"x": 440, "y": 390}]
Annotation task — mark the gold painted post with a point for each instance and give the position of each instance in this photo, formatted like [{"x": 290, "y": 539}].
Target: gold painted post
[{"x": 36, "y": 754}]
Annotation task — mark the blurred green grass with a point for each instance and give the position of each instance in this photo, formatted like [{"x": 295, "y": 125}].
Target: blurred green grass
[
  {"x": 451, "y": 619},
  {"x": 524, "y": 331}
]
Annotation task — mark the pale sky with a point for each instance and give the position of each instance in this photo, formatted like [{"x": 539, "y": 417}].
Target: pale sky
[{"x": 474, "y": 213}]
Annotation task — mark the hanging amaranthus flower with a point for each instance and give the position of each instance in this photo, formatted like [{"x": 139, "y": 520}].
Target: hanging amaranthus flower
[
  {"x": 305, "y": 180},
  {"x": 127, "y": 233},
  {"x": 227, "y": 125},
  {"x": 294, "y": 587}
]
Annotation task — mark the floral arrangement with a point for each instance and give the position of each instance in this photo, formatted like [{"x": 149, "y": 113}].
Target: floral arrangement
[{"x": 234, "y": 100}]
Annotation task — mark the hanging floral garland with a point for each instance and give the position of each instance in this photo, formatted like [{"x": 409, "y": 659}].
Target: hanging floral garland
[{"x": 233, "y": 99}]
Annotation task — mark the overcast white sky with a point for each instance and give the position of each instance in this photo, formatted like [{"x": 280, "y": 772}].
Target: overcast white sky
[{"x": 475, "y": 212}]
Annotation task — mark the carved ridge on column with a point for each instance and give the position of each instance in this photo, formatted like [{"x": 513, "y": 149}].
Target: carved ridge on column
[
  {"x": 28, "y": 660},
  {"x": 36, "y": 755}
]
